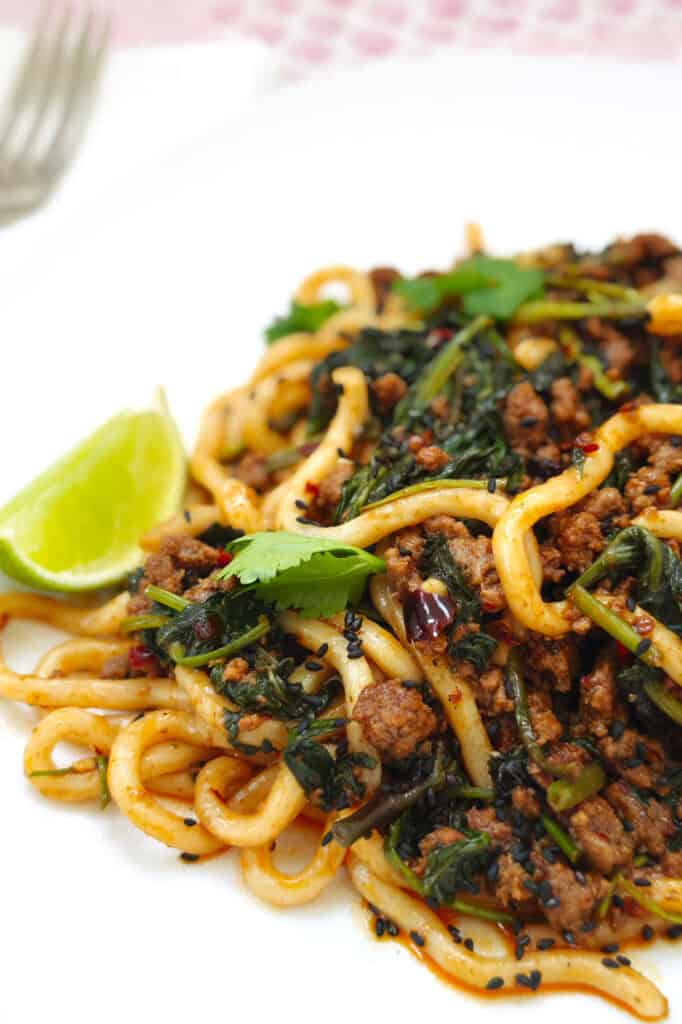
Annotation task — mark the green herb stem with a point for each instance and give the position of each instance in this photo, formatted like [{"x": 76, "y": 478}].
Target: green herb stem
[
  {"x": 610, "y": 623},
  {"x": 471, "y": 793},
  {"x": 384, "y": 808},
  {"x": 676, "y": 492},
  {"x": 563, "y": 794},
  {"x": 562, "y": 839},
  {"x": 102, "y": 767},
  {"x": 165, "y": 597},
  {"x": 177, "y": 651},
  {"x": 664, "y": 700},
  {"x": 134, "y": 623},
  {"x": 478, "y": 910},
  {"x": 517, "y": 684},
  {"x": 548, "y": 309},
  {"x": 49, "y": 773},
  {"x": 439, "y": 370},
  {"x": 588, "y": 284}
]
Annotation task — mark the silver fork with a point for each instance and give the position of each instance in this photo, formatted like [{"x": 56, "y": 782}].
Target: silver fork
[{"x": 49, "y": 106}]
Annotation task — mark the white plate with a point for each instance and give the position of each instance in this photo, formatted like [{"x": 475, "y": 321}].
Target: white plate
[{"x": 171, "y": 282}]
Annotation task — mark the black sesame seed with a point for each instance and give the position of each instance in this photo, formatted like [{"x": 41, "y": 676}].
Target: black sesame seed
[
  {"x": 552, "y": 903},
  {"x": 642, "y": 882},
  {"x": 609, "y": 962},
  {"x": 580, "y": 878},
  {"x": 455, "y": 932},
  {"x": 543, "y": 944},
  {"x": 628, "y": 826},
  {"x": 392, "y": 929},
  {"x": 675, "y": 932},
  {"x": 469, "y": 943},
  {"x": 569, "y": 937},
  {"x": 617, "y": 729},
  {"x": 187, "y": 515},
  {"x": 322, "y": 650},
  {"x": 535, "y": 979},
  {"x": 299, "y": 503},
  {"x": 610, "y": 947},
  {"x": 529, "y": 421},
  {"x": 523, "y": 980},
  {"x": 379, "y": 927},
  {"x": 492, "y": 485},
  {"x": 588, "y": 926},
  {"x": 266, "y": 746},
  {"x": 651, "y": 489},
  {"x": 189, "y": 822},
  {"x": 355, "y": 653},
  {"x": 617, "y": 900},
  {"x": 417, "y": 938},
  {"x": 313, "y": 666},
  {"x": 326, "y": 839},
  {"x": 521, "y": 943},
  {"x": 189, "y": 857},
  {"x": 631, "y": 604},
  {"x": 549, "y": 854},
  {"x": 496, "y": 982},
  {"x": 642, "y": 647},
  {"x": 306, "y": 522},
  {"x": 340, "y": 452},
  {"x": 647, "y": 933},
  {"x": 623, "y": 960},
  {"x": 493, "y": 871},
  {"x": 374, "y": 910}
]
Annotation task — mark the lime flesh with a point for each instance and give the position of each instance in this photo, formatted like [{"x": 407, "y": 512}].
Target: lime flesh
[{"x": 77, "y": 526}]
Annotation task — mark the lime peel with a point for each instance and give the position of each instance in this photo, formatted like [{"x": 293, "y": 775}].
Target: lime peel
[{"x": 77, "y": 525}]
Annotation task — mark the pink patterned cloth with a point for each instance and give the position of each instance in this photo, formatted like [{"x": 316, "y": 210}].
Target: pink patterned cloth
[{"x": 314, "y": 35}]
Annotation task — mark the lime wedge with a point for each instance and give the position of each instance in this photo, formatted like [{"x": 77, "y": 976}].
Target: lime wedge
[{"x": 77, "y": 526}]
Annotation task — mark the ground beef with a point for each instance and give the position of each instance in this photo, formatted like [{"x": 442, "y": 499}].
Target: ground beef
[
  {"x": 648, "y": 487},
  {"x": 213, "y": 584},
  {"x": 577, "y": 899},
  {"x": 669, "y": 352},
  {"x": 643, "y": 256},
  {"x": 432, "y": 458},
  {"x": 650, "y": 821},
  {"x": 578, "y": 537},
  {"x": 474, "y": 556},
  {"x": 671, "y": 864},
  {"x": 551, "y": 662},
  {"x": 439, "y": 837},
  {"x": 546, "y": 725},
  {"x": 393, "y": 718},
  {"x": 618, "y": 350},
  {"x": 525, "y": 418},
  {"x": 388, "y": 390},
  {"x": 510, "y": 889},
  {"x": 235, "y": 670},
  {"x": 607, "y": 505},
  {"x": 491, "y": 696},
  {"x": 598, "y": 697},
  {"x": 552, "y": 570},
  {"x": 568, "y": 413},
  {"x": 637, "y": 758},
  {"x": 562, "y": 754},
  {"x": 402, "y": 562},
  {"x": 178, "y": 564},
  {"x": 484, "y": 819},
  {"x": 599, "y": 832},
  {"x": 382, "y": 279},
  {"x": 665, "y": 455},
  {"x": 252, "y": 470},
  {"x": 329, "y": 494},
  {"x": 526, "y": 802}
]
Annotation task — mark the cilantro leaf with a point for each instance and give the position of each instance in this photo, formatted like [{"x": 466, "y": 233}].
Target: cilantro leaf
[
  {"x": 317, "y": 576},
  {"x": 301, "y": 318},
  {"x": 488, "y": 287}
]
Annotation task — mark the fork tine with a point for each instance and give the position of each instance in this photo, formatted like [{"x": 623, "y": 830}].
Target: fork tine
[
  {"x": 24, "y": 77},
  {"x": 44, "y": 82},
  {"x": 86, "y": 69}
]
